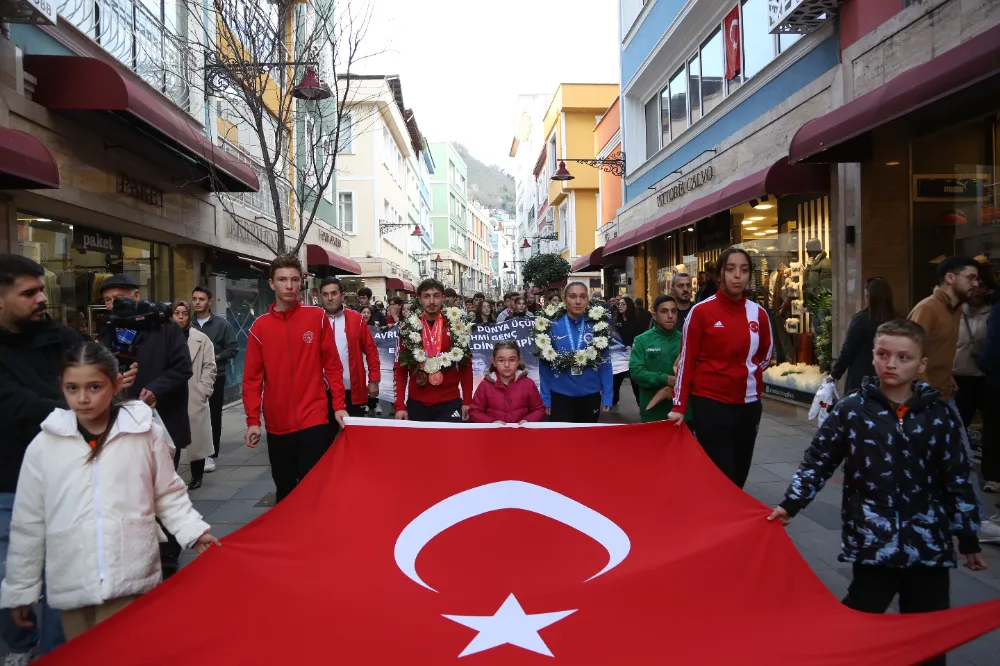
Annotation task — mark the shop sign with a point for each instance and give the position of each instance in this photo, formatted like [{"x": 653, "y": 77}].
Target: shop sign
[
  {"x": 327, "y": 237},
  {"x": 790, "y": 394},
  {"x": 714, "y": 233},
  {"x": 241, "y": 231},
  {"x": 685, "y": 185},
  {"x": 945, "y": 188},
  {"x": 91, "y": 240},
  {"x": 137, "y": 189}
]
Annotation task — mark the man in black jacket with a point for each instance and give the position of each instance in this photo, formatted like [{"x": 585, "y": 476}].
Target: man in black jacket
[
  {"x": 32, "y": 349},
  {"x": 164, "y": 368},
  {"x": 223, "y": 338}
]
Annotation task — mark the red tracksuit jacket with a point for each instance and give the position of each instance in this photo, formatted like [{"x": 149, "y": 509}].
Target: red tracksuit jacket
[
  {"x": 360, "y": 347},
  {"x": 454, "y": 378},
  {"x": 725, "y": 349},
  {"x": 288, "y": 353}
]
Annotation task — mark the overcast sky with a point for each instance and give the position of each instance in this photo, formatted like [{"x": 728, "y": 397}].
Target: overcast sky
[{"x": 462, "y": 64}]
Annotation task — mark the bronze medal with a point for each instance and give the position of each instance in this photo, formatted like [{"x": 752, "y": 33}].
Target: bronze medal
[
  {"x": 435, "y": 378},
  {"x": 421, "y": 378}
]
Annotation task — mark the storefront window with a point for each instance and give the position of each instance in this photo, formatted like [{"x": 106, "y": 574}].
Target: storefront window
[
  {"x": 78, "y": 259},
  {"x": 789, "y": 240},
  {"x": 955, "y": 207}
]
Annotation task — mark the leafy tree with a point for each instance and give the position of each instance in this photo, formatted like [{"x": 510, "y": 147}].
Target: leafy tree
[{"x": 544, "y": 269}]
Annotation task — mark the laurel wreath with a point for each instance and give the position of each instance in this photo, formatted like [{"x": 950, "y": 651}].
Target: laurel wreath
[
  {"x": 590, "y": 356},
  {"x": 411, "y": 342}
]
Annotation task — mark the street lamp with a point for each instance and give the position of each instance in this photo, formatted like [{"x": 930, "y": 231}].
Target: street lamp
[
  {"x": 613, "y": 164},
  {"x": 385, "y": 227},
  {"x": 219, "y": 73},
  {"x": 525, "y": 245}
]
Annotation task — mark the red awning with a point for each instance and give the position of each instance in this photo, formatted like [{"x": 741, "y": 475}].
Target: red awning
[
  {"x": 319, "y": 256},
  {"x": 400, "y": 285},
  {"x": 25, "y": 162},
  {"x": 779, "y": 178},
  {"x": 588, "y": 262},
  {"x": 76, "y": 83},
  {"x": 954, "y": 70}
]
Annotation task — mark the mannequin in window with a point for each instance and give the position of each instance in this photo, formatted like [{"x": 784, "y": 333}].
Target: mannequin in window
[{"x": 818, "y": 273}]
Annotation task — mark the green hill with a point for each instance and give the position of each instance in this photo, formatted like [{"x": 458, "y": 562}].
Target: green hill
[{"x": 490, "y": 185}]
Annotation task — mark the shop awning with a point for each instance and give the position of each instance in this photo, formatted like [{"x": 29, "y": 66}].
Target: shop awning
[
  {"x": 77, "y": 83},
  {"x": 778, "y": 179},
  {"x": 317, "y": 255},
  {"x": 588, "y": 262},
  {"x": 843, "y": 134},
  {"x": 400, "y": 285},
  {"x": 25, "y": 162}
]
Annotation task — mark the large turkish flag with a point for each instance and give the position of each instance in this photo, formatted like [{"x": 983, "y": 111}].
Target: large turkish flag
[{"x": 601, "y": 545}]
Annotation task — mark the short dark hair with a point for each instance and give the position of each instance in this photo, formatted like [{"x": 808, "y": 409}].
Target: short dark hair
[
  {"x": 479, "y": 294},
  {"x": 395, "y": 300},
  {"x": 509, "y": 295},
  {"x": 364, "y": 291},
  {"x": 13, "y": 266},
  {"x": 284, "y": 261},
  {"x": 429, "y": 283},
  {"x": 955, "y": 265},
  {"x": 660, "y": 300},
  {"x": 327, "y": 281},
  {"x": 450, "y": 293},
  {"x": 204, "y": 290},
  {"x": 904, "y": 328},
  {"x": 506, "y": 344}
]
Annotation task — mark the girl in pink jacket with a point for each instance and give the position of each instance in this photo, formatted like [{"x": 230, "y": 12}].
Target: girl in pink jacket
[{"x": 507, "y": 394}]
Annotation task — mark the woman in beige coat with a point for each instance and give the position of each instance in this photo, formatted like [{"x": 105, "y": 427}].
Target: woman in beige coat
[{"x": 200, "y": 388}]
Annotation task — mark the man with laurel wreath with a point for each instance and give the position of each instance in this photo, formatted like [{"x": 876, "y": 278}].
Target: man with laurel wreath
[
  {"x": 433, "y": 371},
  {"x": 572, "y": 340}
]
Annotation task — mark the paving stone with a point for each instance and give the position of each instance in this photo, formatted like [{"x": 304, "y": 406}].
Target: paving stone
[
  {"x": 219, "y": 490},
  {"x": 235, "y": 511},
  {"x": 824, "y": 513}
]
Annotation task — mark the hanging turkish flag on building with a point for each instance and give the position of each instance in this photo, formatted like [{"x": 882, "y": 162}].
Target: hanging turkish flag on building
[
  {"x": 734, "y": 39},
  {"x": 489, "y": 545}
]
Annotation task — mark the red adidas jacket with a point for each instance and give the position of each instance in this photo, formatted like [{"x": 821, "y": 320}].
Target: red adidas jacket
[
  {"x": 725, "y": 349},
  {"x": 288, "y": 353},
  {"x": 360, "y": 347},
  {"x": 455, "y": 377}
]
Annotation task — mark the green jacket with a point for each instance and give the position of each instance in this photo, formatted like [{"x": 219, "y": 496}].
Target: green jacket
[{"x": 650, "y": 368}]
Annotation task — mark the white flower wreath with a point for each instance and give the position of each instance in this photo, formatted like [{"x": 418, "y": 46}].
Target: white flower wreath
[
  {"x": 411, "y": 342},
  {"x": 588, "y": 357}
]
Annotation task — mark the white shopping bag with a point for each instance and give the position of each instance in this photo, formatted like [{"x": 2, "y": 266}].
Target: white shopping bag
[{"x": 823, "y": 402}]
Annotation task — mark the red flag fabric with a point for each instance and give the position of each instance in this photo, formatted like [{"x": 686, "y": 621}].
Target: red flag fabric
[
  {"x": 734, "y": 38},
  {"x": 535, "y": 545}
]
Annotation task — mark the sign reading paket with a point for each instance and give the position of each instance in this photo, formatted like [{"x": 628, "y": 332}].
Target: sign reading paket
[
  {"x": 91, "y": 240},
  {"x": 692, "y": 182}
]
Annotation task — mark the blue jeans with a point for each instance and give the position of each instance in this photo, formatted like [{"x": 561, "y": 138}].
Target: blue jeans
[
  {"x": 18, "y": 640},
  {"x": 984, "y": 512}
]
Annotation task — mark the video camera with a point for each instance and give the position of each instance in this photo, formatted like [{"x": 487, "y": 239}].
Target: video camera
[{"x": 127, "y": 318}]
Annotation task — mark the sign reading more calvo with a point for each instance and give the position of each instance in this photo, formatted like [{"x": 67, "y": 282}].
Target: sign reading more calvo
[{"x": 91, "y": 240}]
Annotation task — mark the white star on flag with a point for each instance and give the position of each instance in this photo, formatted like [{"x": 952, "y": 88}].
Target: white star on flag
[{"x": 510, "y": 625}]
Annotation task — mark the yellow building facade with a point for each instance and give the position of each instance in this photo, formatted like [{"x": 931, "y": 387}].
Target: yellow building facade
[{"x": 572, "y": 213}]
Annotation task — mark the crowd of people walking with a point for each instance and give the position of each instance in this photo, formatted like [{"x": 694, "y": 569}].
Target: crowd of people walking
[{"x": 151, "y": 387}]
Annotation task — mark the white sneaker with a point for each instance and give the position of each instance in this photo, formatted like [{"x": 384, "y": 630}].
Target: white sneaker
[
  {"x": 209, "y": 464},
  {"x": 19, "y": 658},
  {"x": 989, "y": 530},
  {"x": 991, "y": 487}
]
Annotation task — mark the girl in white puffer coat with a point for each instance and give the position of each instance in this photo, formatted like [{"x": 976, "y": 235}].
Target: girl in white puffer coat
[{"x": 91, "y": 487}]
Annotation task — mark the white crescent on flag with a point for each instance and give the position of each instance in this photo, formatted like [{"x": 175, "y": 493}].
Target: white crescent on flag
[{"x": 507, "y": 495}]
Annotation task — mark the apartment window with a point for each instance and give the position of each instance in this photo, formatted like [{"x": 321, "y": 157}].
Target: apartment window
[
  {"x": 694, "y": 87},
  {"x": 758, "y": 42},
  {"x": 713, "y": 72},
  {"x": 346, "y": 134},
  {"x": 678, "y": 103},
  {"x": 552, "y": 154},
  {"x": 665, "y": 114},
  {"x": 345, "y": 210},
  {"x": 652, "y": 126},
  {"x": 451, "y": 171}
]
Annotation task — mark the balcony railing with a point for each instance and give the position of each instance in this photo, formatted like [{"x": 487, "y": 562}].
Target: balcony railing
[
  {"x": 138, "y": 39},
  {"x": 260, "y": 202}
]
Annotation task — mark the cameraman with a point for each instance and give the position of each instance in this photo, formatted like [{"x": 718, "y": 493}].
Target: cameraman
[{"x": 159, "y": 348}]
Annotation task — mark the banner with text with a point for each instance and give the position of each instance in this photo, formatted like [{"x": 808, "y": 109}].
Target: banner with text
[{"x": 484, "y": 336}]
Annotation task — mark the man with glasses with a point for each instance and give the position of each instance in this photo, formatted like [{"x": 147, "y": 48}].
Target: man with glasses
[{"x": 940, "y": 314}]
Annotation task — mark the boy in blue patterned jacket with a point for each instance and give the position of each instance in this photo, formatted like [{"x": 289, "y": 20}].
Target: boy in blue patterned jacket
[{"x": 907, "y": 491}]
